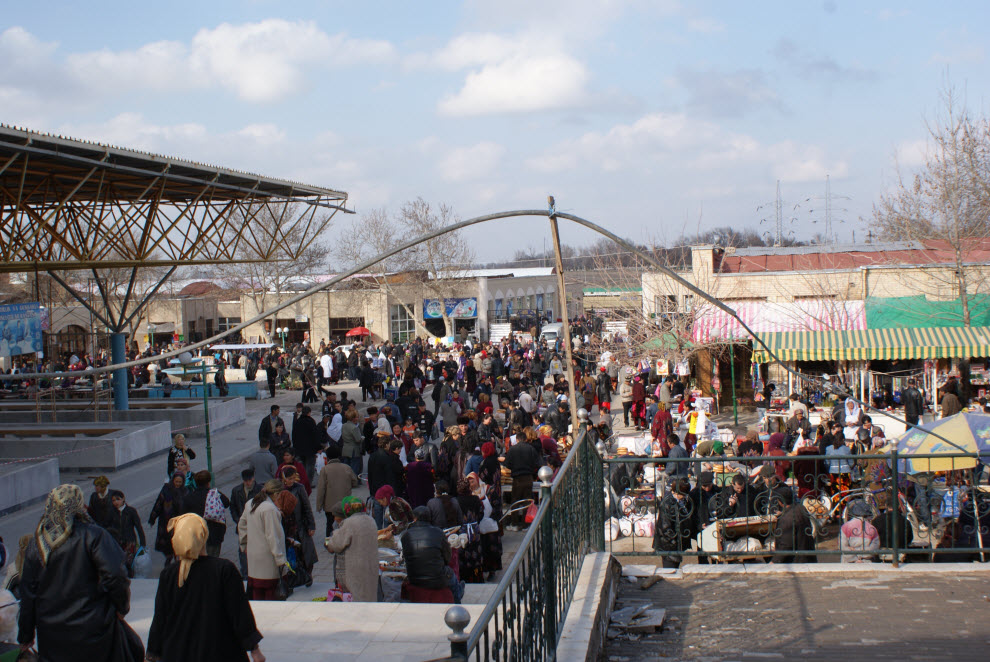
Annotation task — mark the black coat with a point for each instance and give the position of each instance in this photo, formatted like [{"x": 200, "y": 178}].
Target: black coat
[
  {"x": 305, "y": 439},
  {"x": 914, "y": 404},
  {"x": 220, "y": 628},
  {"x": 793, "y": 532},
  {"x": 238, "y": 500},
  {"x": 675, "y": 526},
  {"x": 427, "y": 553},
  {"x": 385, "y": 468},
  {"x": 71, "y": 604},
  {"x": 174, "y": 454},
  {"x": 124, "y": 523},
  {"x": 745, "y": 502},
  {"x": 266, "y": 428},
  {"x": 523, "y": 460},
  {"x": 101, "y": 509}
]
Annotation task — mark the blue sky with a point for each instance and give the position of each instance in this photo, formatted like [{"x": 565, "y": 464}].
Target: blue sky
[{"x": 653, "y": 118}]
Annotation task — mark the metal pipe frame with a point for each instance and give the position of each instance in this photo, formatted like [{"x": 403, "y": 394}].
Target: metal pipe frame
[{"x": 454, "y": 227}]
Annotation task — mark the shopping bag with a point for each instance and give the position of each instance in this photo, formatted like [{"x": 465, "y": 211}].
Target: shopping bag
[
  {"x": 531, "y": 513},
  {"x": 142, "y": 564}
]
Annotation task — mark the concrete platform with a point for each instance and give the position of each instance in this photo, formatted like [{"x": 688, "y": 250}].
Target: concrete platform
[
  {"x": 183, "y": 414},
  {"x": 23, "y": 483},
  {"x": 332, "y": 632},
  {"x": 85, "y": 446}
]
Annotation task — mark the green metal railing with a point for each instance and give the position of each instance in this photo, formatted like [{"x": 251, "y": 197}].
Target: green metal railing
[
  {"x": 524, "y": 618},
  {"x": 796, "y": 508}
]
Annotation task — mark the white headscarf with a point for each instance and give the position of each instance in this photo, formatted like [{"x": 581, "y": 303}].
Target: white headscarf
[
  {"x": 336, "y": 425},
  {"x": 851, "y": 414}
]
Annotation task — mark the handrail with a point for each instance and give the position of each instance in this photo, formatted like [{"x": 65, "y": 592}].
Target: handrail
[{"x": 481, "y": 624}]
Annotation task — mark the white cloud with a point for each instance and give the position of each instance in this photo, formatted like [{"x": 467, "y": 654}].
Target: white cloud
[
  {"x": 524, "y": 72},
  {"x": 520, "y": 84},
  {"x": 474, "y": 162},
  {"x": 259, "y": 62},
  {"x": 676, "y": 140}
]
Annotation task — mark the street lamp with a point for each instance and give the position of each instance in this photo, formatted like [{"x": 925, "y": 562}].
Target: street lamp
[
  {"x": 188, "y": 365},
  {"x": 282, "y": 331},
  {"x": 151, "y": 335}
]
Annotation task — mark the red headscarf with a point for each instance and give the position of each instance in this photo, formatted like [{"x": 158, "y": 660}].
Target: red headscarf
[{"x": 487, "y": 449}]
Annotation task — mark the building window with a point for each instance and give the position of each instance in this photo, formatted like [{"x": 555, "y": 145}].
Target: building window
[
  {"x": 403, "y": 326},
  {"x": 226, "y": 323}
]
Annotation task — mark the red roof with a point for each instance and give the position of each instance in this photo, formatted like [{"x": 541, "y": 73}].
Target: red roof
[{"x": 935, "y": 252}]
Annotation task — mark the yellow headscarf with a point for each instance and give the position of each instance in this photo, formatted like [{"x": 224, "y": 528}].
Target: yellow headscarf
[{"x": 189, "y": 534}]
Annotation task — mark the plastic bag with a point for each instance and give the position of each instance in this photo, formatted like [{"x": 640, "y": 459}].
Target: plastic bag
[
  {"x": 142, "y": 563},
  {"x": 611, "y": 529}
]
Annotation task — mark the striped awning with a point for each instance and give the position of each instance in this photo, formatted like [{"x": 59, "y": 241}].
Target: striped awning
[{"x": 876, "y": 344}]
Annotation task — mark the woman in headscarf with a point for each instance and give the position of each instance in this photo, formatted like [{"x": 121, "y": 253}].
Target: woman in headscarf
[
  {"x": 167, "y": 505},
  {"x": 182, "y": 467},
  {"x": 490, "y": 477},
  {"x": 74, "y": 587},
  {"x": 355, "y": 542},
  {"x": 397, "y": 515},
  {"x": 178, "y": 450},
  {"x": 336, "y": 427},
  {"x": 852, "y": 417},
  {"x": 100, "y": 506},
  {"x": 420, "y": 478},
  {"x": 470, "y": 556},
  {"x": 262, "y": 539},
  {"x": 201, "y": 611},
  {"x": 289, "y": 459}
]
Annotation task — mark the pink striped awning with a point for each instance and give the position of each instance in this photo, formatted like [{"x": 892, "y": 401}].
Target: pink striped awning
[{"x": 712, "y": 324}]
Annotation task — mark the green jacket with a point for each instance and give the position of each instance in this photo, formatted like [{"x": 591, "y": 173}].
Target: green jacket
[{"x": 351, "y": 440}]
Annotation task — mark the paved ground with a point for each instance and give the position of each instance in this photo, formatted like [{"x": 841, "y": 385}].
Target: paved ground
[{"x": 833, "y": 617}]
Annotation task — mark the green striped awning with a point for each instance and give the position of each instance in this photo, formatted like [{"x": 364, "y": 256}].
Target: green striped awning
[{"x": 876, "y": 344}]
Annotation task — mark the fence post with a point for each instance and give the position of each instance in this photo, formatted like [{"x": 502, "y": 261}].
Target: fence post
[
  {"x": 545, "y": 475},
  {"x": 598, "y": 478},
  {"x": 896, "y": 513},
  {"x": 457, "y": 619}
]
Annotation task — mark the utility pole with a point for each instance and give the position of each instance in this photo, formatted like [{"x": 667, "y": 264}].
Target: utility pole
[
  {"x": 562, "y": 298},
  {"x": 778, "y": 205}
]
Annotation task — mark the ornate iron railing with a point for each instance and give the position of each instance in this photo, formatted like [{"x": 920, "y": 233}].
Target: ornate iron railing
[
  {"x": 524, "y": 618},
  {"x": 798, "y": 508}
]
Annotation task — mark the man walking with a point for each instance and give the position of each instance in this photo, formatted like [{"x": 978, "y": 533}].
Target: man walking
[
  {"x": 268, "y": 424},
  {"x": 914, "y": 403},
  {"x": 239, "y": 498}
]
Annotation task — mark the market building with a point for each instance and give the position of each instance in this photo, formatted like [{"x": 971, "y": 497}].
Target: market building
[{"x": 870, "y": 315}]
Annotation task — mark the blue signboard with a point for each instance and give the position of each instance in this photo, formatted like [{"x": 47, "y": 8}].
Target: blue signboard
[
  {"x": 456, "y": 308},
  {"x": 20, "y": 329}
]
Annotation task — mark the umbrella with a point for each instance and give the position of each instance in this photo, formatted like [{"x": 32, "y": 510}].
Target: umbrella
[
  {"x": 358, "y": 331},
  {"x": 969, "y": 431}
]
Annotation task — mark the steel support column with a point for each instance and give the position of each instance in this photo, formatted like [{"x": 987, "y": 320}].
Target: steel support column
[{"x": 118, "y": 354}]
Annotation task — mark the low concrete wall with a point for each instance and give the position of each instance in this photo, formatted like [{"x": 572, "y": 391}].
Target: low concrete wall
[
  {"x": 85, "y": 446},
  {"x": 24, "y": 483},
  {"x": 183, "y": 415},
  {"x": 583, "y": 635},
  {"x": 248, "y": 390}
]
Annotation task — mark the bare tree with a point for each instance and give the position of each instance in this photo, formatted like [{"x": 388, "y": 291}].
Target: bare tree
[
  {"x": 265, "y": 280},
  {"x": 947, "y": 202},
  {"x": 434, "y": 268}
]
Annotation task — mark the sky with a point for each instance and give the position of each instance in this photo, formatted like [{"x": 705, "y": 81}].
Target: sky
[{"x": 656, "y": 119}]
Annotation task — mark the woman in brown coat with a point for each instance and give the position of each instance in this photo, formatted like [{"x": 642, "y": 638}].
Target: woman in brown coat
[{"x": 356, "y": 544}]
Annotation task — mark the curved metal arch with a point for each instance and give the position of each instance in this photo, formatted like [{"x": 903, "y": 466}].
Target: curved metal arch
[{"x": 548, "y": 213}]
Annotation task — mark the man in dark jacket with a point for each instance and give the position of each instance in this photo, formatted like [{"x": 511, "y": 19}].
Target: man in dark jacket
[
  {"x": 239, "y": 498},
  {"x": 268, "y": 424},
  {"x": 427, "y": 553},
  {"x": 125, "y": 525},
  {"x": 675, "y": 525},
  {"x": 558, "y": 419},
  {"x": 914, "y": 403},
  {"x": 523, "y": 461},
  {"x": 195, "y": 502},
  {"x": 385, "y": 467},
  {"x": 306, "y": 440},
  {"x": 603, "y": 392},
  {"x": 737, "y": 499},
  {"x": 271, "y": 373}
]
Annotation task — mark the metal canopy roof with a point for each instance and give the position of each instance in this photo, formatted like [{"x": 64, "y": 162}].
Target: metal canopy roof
[{"x": 129, "y": 173}]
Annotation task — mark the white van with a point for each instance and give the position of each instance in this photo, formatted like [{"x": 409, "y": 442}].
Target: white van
[{"x": 551, "y": 332}]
